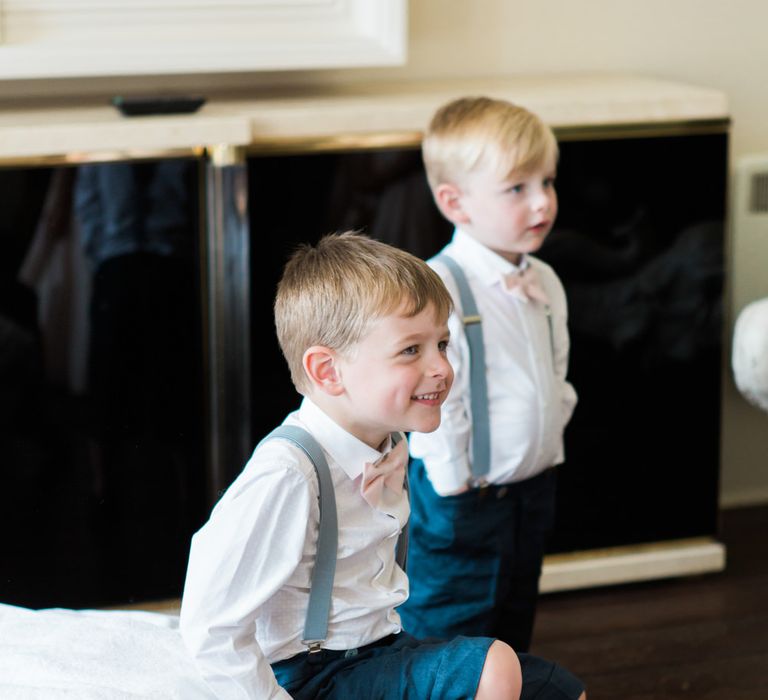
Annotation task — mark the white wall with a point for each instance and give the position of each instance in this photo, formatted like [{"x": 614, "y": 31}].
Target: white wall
[{"x": 704, "y": 42}]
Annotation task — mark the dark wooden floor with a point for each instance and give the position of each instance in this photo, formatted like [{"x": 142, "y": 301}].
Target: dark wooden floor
[{"x": 699, "y": 638}]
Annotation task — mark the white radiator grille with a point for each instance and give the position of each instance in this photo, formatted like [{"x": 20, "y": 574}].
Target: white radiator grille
[{"x": 758, "y": 201}]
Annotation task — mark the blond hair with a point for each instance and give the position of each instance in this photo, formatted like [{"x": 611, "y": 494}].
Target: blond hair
[
  {"x": 471, "y": 133},
  {"x": 330, "y": 294}
]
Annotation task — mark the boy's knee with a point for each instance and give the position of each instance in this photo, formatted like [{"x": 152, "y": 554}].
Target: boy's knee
[{"x": 501, "y": 678}]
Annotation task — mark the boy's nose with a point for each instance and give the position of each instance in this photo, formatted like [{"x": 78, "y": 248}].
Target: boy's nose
[
  {"x": 441, "y": 367},
  {"x": 542, "y": 201}
]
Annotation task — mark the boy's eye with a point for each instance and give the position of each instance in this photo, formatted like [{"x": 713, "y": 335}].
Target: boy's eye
[
  {"x": 516, "y": 189},
  {"x": 443, "y": 345},
  {"x": 549, "y": 182},
  {"x": 411, "y": 350}
]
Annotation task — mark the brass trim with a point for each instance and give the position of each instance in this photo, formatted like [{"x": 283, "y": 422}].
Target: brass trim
[
  {"x": 263, "y": 146},
  {"x": 643, "y": 130},
  {"x": 224, "y": 155},
  {"x": 79, "y": 158},
  {"x": 227, "y": 280},
  {"x": 623, "y": 550},
  {"x": 337, "y": 142}
]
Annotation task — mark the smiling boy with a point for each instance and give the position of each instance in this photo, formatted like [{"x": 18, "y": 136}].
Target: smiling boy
[{"x": 363, "y": 327}]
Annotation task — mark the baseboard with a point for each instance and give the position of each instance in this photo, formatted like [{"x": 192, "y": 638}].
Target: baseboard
[
  {"x": 171, "y": 606},
  {"x": 590, "y": 568},
  {"x": 642, "y": 562},
  {"x": 741, "y": 499}
]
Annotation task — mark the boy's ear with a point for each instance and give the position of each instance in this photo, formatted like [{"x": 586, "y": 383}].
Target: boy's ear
[
  {"x": 320, "y": 367},
  {"x": 448, "y": 200}
]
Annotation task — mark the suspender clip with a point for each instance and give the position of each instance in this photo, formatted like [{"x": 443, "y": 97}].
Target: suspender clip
[
  {"x": 313, "y": 645},
  {"x": 479, "y": 482},
  {"x": 475, "y": 318}
]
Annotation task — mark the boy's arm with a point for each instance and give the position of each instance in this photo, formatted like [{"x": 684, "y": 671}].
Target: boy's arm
[
  {"x": 445, "y": 452},
  {"x": 246, "y": 552},
  {"x": 562, "y": 347}
]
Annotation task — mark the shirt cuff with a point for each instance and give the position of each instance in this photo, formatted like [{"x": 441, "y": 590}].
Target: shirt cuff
[{"x": 449, "y": 479}]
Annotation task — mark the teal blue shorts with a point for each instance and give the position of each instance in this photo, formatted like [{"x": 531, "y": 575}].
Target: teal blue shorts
[{"x": 401, "y": 667}]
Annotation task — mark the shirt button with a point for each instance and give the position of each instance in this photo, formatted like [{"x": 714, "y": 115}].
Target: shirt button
[{"x": 502, "y": 492}]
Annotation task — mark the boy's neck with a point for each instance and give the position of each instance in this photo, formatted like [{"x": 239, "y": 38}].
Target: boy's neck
[
  {"x": 515, "y": 258},
  {"x": 511, "y": 257},
  {"x": 331, "y": 407}
]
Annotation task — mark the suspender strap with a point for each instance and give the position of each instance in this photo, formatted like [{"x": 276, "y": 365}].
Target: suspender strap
[
  {"x": 481, "y": 429},
  {"x": 401, "y": 551},
  {"x": 321, "y": 581}
]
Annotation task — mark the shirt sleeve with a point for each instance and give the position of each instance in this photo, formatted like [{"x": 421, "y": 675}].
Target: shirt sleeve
[
  {"x": 241, "y": 557},
  {"x": 445, "y": 452},
  {"x": 562, "y": 347}
]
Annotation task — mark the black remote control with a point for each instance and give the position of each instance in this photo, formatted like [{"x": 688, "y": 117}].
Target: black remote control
[{"x": 141, "y": 106}]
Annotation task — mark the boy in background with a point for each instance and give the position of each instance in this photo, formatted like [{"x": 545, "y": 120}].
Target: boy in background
[
  {"x": 363, "y": 327},
  {"x": 483, "y": 484}
]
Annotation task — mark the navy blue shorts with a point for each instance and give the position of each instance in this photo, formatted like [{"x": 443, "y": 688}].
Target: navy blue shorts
[
  {"x": 400, "y": 667},
  {"x": 474, "y": 559},
  {"x": 396, "y": 667}
]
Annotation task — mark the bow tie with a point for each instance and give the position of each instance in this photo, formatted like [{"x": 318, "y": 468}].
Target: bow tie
[
  {"x": 525, "y": 285},
  {"x": 388, "y": 471}
]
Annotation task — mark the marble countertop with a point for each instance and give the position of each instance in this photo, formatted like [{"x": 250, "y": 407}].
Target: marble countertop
[{"x": 77, "y": 132}]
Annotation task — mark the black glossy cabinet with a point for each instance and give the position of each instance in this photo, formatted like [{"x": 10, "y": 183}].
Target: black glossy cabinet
[
  {"x": 105, "y": 428},
  {"x": 639, "y": 246}
]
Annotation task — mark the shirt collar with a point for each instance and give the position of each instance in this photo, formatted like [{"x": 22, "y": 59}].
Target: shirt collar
[
  {"x": 344, "y": 448},
  {"x": 488, "y": 266}
]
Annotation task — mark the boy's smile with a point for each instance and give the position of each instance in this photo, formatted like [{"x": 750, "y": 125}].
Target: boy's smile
[{"x": 395, "y": 378}]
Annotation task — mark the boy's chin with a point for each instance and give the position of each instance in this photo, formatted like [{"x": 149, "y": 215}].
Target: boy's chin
[
  {"x": 425, "y": 427},
  {"x": 533, "y": 246}
]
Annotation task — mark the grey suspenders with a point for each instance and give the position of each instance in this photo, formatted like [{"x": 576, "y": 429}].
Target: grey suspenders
[
  {"x": 321, "y": 582},
  {"x": 481, "y": 428}
]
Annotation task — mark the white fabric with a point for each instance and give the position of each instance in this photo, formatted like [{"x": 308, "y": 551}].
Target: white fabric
[
  {"x": 749, "y": 357},
  {"x": 247, "y": 586},
  {"x": 94, "y": 655},
  {"x": 530, "y": 402}
]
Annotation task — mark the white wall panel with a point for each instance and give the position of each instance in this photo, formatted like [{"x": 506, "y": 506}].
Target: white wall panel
[{"x": 86, "y": 38}]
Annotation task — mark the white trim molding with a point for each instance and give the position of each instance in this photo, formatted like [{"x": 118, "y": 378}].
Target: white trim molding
[
  {"x": 744, "y": 497},
  {"x": 89, "y": 38},
  {"x": 632, "y": 563}
]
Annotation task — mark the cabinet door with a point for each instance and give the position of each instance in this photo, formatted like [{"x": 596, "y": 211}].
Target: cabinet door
[
  {"x": 638, "y": 245},
  {"x": 101, "y": 395}
]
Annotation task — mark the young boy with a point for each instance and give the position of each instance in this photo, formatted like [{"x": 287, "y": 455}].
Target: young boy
[
  {"x": 483, "y": 484},
  {"x": 363, "y": 327}
]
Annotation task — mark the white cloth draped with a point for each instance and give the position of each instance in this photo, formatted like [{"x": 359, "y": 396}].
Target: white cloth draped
[{"x": 94, "y": 655}]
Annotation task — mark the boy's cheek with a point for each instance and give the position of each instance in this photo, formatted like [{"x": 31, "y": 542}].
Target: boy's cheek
[{"x": 448, "y": 382}]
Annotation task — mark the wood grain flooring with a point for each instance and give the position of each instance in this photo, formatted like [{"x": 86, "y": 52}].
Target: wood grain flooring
[{"x": 699, "y": 638}]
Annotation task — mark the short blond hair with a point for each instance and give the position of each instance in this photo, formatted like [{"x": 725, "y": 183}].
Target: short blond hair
[
  {"x": 471, "y": 133},
  {"x": 330, "y": 294}
]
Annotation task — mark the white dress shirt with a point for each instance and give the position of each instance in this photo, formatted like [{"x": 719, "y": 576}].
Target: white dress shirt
[
  {"x": 530, "y": 402},
  {"x": 247, "y": 586}
]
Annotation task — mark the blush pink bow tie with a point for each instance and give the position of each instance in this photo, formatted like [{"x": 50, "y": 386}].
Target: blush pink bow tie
[
  {"x": 389, "y": 472},
  {"x": 525, "y": 285}
]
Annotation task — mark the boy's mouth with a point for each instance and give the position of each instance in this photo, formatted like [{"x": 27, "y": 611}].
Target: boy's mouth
[{"x": 427, "y": 397}]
